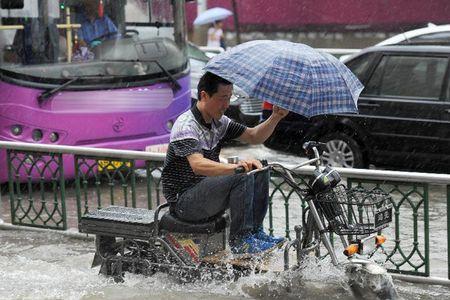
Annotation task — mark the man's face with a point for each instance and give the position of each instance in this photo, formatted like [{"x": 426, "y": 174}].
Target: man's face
[{"x": 218, "y": 103}]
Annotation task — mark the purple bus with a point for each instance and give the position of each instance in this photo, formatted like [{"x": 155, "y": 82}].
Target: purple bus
[{"x": 118, "y": 80}]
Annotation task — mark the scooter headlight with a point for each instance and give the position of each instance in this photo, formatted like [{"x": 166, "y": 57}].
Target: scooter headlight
[{"x": 325, "y": 179}]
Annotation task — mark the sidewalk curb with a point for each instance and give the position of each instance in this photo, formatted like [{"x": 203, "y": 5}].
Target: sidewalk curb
[
  {"x": 422, "y": 280},
  {"x": 71, "y": 232}
]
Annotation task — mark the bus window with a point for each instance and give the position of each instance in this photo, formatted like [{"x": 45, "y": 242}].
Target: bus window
[
  {"x": 125, "y": 90},
  {"x": 94, "y": 38}
]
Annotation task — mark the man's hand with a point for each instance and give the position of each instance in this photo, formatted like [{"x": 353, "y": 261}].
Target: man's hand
[
  {"x": 250, "y": 164},
  {"x": 279, "y": 112}
]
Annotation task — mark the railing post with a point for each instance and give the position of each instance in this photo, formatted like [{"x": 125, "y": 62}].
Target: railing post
[
  {"x": 62, "y": 183},
  {"x": 133, "y": 183},
  {"x": 448, "y": 230},
  {"x": 149, "y": 184},
  {"x": 270, "y": 214},
  {"x": 77, "y": 186},
  {"x": 286, "y": 212},
  {"x": 427, "y": 229},
  {"x": 10, "y": 185}
]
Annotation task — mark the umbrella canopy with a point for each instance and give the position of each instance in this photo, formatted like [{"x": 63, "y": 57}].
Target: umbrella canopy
[
  {"x": 212, "y": 15},
  {"x": 290, "y": 75}
]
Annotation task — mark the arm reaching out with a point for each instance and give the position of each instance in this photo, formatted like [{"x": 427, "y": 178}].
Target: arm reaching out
[{"x": 261, "y": 132}]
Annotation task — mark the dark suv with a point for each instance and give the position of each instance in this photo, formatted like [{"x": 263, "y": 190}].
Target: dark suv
[{"x": 404, "y": 113}]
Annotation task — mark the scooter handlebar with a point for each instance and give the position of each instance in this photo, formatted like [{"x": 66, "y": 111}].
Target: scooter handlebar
[{"x": 241, "y": 169}]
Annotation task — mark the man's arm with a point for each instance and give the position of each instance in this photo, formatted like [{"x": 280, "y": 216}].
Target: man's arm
[
  {"x": 206, "y": 167},
  {"x": 261, "y": 132}
]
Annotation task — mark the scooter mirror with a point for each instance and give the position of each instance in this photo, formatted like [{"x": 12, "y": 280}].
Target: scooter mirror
[{"x": 309, "y": 148}]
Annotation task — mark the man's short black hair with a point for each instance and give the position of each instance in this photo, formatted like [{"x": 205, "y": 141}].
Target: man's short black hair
[{"x": 209, "y": 83}]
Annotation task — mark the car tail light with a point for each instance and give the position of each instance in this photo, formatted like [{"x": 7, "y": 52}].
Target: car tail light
[{"x": 267, "y": 106}]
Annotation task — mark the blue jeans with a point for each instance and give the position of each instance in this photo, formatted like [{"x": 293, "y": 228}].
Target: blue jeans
[{"x": 247, "y": 197}]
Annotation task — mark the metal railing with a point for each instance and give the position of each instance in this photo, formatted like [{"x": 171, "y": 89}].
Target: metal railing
[
  {"x": 408, "y": 252},
  {"x": 40, "y": 194}
]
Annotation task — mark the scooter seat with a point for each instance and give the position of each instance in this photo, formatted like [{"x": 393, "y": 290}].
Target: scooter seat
[{"x": 171, "y": 223}]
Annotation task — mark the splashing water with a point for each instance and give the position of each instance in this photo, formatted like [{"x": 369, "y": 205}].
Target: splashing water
[
  {"x": 47, "y": 265},
  {"x": 314, "y": 279}
]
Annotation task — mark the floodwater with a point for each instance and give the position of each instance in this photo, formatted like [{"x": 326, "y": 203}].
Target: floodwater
[{"x": 49, "y": 265}]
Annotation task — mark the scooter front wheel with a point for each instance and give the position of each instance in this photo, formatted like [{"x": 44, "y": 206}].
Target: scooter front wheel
[{"x": 369, "y": 280}]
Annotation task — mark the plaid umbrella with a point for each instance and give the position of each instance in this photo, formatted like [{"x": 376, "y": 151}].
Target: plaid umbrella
[{"x": 290, "y": 75}]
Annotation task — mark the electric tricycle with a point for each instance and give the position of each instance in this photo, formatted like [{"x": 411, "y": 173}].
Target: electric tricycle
[{"x": 145, "y": 241}]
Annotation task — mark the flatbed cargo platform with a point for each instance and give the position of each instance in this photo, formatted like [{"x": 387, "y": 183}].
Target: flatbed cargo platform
[{"x": 118, "y": 221}]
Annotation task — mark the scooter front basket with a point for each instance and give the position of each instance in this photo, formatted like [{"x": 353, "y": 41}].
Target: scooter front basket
[{"x": 355, "y": 211}]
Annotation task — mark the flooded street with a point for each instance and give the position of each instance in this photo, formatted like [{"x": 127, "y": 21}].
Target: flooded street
[{"x": 45, "y": 265}]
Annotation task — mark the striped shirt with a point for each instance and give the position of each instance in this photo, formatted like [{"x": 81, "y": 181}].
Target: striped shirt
[{"x": 191, "y": 134}]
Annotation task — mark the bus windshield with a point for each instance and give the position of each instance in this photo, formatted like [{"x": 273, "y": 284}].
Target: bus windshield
[{"x": 50, "y": 42}]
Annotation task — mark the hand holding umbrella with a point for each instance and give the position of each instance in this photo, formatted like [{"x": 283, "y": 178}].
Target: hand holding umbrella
[{"x": 279, "y": 112}]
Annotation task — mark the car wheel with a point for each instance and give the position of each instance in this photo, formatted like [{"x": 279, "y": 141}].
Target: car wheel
[{"x": 342, "y": 151}]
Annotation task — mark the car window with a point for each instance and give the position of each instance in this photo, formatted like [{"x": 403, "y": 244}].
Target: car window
[
  {"x": 408, "y": 76},
  {"x": 435, "y": 37},
  {"x": 447, "y": 91},
  {"x": 360, "y": 64}
]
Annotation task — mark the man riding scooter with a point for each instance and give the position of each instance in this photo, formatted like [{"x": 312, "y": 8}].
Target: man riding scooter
[{"x": 198, "y": 186}]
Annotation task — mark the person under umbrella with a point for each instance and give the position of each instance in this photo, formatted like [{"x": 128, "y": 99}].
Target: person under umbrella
[
  {"x": 214, "y": 16},
  {"x": 293, "y": 76},
  {"x": 198, "y": 186},
  {"x": 215, "y": 35}
]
